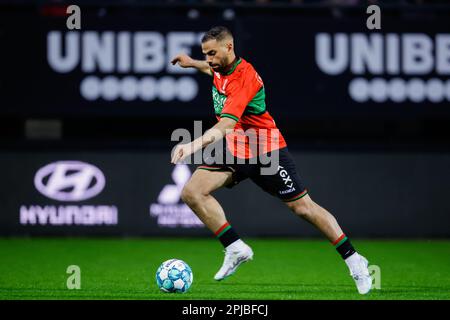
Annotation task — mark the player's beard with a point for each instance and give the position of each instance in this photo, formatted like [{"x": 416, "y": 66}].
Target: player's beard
[{"x": 221, "y": 66}]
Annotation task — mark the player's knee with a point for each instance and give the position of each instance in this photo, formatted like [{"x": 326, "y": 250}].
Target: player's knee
[
  {"x": 303, "y": 207},
  {"x": 188, "y": 194},
  {"x": 191, "y": 195}
]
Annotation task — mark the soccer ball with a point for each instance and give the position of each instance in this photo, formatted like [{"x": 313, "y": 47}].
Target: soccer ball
[{"x": 174, "y": 275}]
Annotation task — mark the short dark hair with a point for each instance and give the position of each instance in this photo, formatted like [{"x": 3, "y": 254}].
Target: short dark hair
[{"x": 217, "y": 33}]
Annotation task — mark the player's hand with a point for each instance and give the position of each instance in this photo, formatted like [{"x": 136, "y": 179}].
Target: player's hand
[
  {"x": 181, "y": 152},
  {"x": 183, "y": 60}
]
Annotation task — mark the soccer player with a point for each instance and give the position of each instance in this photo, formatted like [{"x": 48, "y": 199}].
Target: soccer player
[{"x": 239, "y": 104}]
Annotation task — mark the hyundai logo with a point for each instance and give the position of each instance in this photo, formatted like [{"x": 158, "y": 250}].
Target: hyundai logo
[{"x": 69, "y": 181}]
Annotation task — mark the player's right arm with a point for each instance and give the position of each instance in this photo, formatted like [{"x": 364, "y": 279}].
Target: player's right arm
[{"x": 185, "y": 61}]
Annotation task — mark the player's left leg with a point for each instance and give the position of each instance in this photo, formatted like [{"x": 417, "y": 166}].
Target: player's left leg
[{"x": 197, "y": 195}]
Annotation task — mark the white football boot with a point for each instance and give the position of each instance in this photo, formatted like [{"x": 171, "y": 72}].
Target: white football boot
[
  {"x": 359, "y": 271},
  {"x": 235, "y": 254}
]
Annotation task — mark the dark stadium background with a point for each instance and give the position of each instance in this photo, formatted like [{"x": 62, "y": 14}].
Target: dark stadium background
[{"x": 371, "y": 141}]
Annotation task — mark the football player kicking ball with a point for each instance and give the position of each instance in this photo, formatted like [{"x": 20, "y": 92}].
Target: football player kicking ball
[{"x": 239, "y": 104}]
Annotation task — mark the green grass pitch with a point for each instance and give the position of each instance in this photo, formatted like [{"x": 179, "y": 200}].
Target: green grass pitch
[{"x": 282, "y": 269}]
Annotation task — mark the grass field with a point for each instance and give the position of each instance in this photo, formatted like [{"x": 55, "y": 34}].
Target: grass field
[{"x": 281, "y": 269}]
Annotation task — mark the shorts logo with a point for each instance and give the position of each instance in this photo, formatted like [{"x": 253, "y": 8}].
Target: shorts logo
[
  {"x": 285, "y": 176},
  {"x": 287, "y": 191},
  {"x": 286, "y": 179}
]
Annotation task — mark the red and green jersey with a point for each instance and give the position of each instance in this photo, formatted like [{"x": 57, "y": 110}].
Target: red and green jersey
[{"x": 239, "y": 94}]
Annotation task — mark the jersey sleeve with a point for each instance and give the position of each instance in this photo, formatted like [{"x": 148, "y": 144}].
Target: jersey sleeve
[{"x": 240, "y": 92}]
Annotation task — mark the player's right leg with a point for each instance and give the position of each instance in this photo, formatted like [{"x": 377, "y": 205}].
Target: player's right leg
[
  {"x": 197, "y": 195},
  {"x": 323, "y": 220},
  {"x": 287, "y": 186}
]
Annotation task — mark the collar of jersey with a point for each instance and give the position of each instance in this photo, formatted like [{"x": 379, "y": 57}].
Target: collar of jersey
[{"x": 239, "y": 60}]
